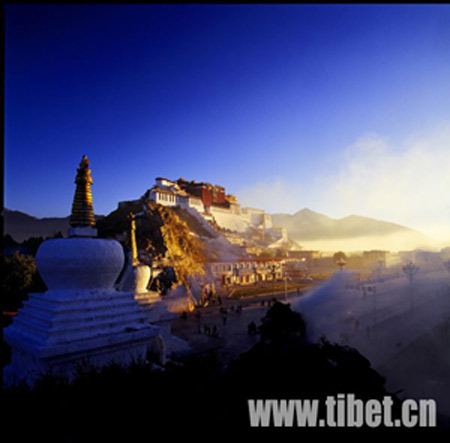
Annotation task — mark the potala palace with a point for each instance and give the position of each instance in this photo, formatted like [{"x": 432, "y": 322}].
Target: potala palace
[{"x": 214, "y": 205}]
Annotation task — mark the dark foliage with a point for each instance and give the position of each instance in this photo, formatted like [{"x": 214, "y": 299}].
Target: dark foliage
[
  {"x": 164, "y": 281},
  {"x": 282, "y": 325},
  {"x": 9, "y": 242},
  {"x": 339, "y": 256},
  {"x": 19, "y": 277},
  {"x": 197, "y": 398},
  {"x": 18, "y": 272},
  {"x": 31, "y": 245}
]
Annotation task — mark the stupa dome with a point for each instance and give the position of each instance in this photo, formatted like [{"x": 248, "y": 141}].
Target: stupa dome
[{"x": 79, "y": 263}]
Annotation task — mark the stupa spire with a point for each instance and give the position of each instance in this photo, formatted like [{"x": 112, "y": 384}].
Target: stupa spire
[
  {"x": 132, "y": 237},
  {"x": 82, "y": 209}
]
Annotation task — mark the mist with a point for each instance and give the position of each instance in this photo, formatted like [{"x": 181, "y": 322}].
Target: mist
[
  {"x": 401, "y": 181},
  {"x": 402, "y": 328},
  {"x": 401, "y": 241}
]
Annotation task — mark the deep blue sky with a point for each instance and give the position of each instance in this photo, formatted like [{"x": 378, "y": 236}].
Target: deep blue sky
[{"x": 235, "y": 95}]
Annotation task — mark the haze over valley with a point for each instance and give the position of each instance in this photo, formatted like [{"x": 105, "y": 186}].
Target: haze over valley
[{"x": 307, "y": 228}]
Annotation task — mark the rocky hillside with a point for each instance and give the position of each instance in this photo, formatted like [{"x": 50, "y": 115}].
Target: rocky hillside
[{"x": 161, "y": 236}]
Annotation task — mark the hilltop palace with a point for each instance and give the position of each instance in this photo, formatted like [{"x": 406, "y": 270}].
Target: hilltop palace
[
  {"x": 211, "y": 202},
  {"x": 218, "y": 211}
]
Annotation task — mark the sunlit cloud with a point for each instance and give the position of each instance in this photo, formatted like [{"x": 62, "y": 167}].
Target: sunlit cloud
[
  {"x": 273, "y": 195},
  {"x": 406, "y": 183}
]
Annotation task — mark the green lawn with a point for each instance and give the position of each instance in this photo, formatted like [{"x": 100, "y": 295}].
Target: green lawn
[{"x": 252, "y": 291}]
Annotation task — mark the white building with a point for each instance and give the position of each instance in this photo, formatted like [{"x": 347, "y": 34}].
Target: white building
[{"x": 228, "y": 215}]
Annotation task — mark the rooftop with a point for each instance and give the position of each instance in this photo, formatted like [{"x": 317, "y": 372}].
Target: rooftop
[{"x": 246, "y": 260}]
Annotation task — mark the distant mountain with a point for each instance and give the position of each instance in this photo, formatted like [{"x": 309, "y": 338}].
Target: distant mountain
[
  {"x": 21, "y": 226},
  {"x": 308, "y": 226}
]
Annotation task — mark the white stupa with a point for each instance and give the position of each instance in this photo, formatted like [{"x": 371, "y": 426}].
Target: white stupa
[
  {"x": 136, "y": 278},
  {"x": 82, "y": 318}
]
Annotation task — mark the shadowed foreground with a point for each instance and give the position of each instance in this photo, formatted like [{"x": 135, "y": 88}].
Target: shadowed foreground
[{"x": 197, "y": 397}]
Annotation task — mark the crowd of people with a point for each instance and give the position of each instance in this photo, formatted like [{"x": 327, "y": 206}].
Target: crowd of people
[{"x": 211, "y": 299}]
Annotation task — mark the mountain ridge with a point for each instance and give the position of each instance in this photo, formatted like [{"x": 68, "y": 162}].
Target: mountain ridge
[
  {"x": 310, "y": 213},
  {"x": 21, "y": 226},
  {"x": 306, "y": 225}
]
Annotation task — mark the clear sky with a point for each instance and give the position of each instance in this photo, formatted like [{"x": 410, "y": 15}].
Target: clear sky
[{"x": 343, "y": 109}]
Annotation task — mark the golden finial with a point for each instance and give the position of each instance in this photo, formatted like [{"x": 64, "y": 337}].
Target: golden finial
[
  {"x": 82, "y": 209},
  {"x": 132, "y": 235}
]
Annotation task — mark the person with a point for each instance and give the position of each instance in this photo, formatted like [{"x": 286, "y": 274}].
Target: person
[
  {"x": 224, "y": 320},
  {"x": 214, "y": 331}
]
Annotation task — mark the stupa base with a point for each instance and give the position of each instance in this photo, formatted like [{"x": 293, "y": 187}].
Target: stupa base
[
  {"x": 29, "y": 364},
  {"x": 57, "y": 332},
  {"x": 158, "y": 314}
]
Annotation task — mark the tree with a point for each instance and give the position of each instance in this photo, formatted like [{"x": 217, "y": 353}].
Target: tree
[
  {"x": 9, "y": 242},
  {"x": 410, "y": 271},
  {"x": 338, "y": 256},
  {"x": 19, "y": 273},
  {"x": 31, "y": 245},
  {"x": 340, "y": 259},
  {"x": 283, "y": 364},
  {"x": 281, "y": 324}
]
